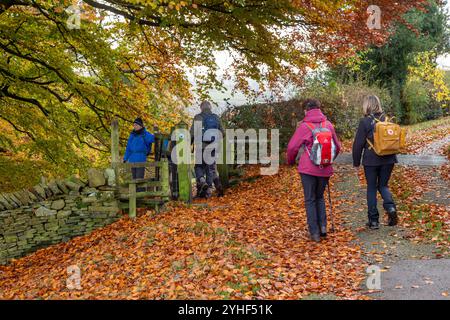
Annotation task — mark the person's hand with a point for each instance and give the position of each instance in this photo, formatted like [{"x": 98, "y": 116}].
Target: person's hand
[{"x": 357, "y": 170}]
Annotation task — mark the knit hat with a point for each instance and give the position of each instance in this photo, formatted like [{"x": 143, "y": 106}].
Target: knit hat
[{"x": 139, "y": 122}]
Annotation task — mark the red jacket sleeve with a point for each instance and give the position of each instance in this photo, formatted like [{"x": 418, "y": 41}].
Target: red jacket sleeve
[{"x": 301, "y": 135}]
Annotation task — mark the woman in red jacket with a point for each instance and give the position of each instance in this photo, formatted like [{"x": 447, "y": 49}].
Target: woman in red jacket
[{"x": 314, "y": 178}]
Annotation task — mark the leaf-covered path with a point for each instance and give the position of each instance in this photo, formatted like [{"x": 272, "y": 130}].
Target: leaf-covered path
[
  {"x": 412, "y": 255},
  {"x": 415, "y": 255},
  {"x": 253, "y": 244}
]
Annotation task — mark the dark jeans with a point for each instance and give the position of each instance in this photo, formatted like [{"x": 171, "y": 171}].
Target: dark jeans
[
  {"x": 138, "y": 173},
  {"x": 314, "y": 188},
  {"x": 205, "y": 173},
  {"x": 377, "y": 178}
]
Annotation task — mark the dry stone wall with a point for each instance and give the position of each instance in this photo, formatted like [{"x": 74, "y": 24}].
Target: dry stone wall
[{"x": 55, "y": 211}]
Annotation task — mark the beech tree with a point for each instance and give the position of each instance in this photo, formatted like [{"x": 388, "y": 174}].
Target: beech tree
[{"x": 60, "y": 86}]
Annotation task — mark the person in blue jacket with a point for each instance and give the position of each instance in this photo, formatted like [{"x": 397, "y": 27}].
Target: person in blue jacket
[{"x": 139, "y": 146}]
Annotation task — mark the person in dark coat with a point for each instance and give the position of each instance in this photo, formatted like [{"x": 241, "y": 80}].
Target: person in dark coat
[
  {"x": 377, "y": 169},
  {"x": 139, "y": 146},
  {"x": 206, "y": 173}
]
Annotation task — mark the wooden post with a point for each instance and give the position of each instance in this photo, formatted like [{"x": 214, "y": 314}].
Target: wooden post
[
  {"x": 165, "y": 184},
  {"x": 115, "y": 155},
  {"x": 223, "y": 167},
  {"x": 132, "y": 200},
  {"x": 184, "y": 169}
]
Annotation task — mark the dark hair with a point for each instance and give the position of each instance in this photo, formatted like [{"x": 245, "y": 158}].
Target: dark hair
[{"x": 310, "y": 104}]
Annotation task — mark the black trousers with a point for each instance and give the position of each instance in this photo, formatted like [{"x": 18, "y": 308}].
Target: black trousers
[
  {"x": 138, "y": 173},
  {"x": 377, "y": 178},
  {"x": 314, "y": 189}
]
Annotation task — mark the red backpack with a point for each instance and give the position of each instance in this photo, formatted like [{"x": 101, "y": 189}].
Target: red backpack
[{"x": 323, "y": 150}]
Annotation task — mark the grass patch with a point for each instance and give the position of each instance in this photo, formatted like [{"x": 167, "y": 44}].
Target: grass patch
[
  {"x": 258, "y": 255},
  {"x": 244, "y": 283},
  {"x": 110, "y": 257},
  {"x": 177, "y": 265},
  {"x": 239, "y": 254},
  {"x": 232, "y": 243},
  {"x": 201, "y": 228},
  {"x": 220, "y": 231},
  {"x": 429, "y": 124},
  {"x": 225, "y": 295},
  {"x": 151, "y": 237}
]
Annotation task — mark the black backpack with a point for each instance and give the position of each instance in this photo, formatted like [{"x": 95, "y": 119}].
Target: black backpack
[{"x": 210, "y": 121}]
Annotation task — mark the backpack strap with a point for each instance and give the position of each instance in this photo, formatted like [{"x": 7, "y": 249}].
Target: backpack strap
[
  {"x": 310, "y": 125},
  {"x": 375, "y": 120},
  {"x": 371, "y": 116},
  {"x": 378, "y": 120},
  {"x": 312, "y": 128},
  {"x": 371, "y": 147}
]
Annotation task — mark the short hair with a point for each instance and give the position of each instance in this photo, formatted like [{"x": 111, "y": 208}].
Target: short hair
[
  {"x": 310, "y": 104},
  {"x": 371, "y": 105}
]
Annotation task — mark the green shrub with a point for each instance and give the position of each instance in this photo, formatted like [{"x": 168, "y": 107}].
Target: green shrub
[
  {"x": 342, "y": 103},
  {"x": 283, "y": 116},
  {"x": 417, "y": 100}
]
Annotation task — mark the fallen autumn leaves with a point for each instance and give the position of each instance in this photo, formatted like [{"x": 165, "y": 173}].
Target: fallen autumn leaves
[
  {"x": 429, "y": 221},
  {"x": 251, "y": 244}
]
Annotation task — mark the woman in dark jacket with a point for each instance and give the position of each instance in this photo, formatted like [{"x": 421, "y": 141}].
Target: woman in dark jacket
[{"x": 377, "y": 168}]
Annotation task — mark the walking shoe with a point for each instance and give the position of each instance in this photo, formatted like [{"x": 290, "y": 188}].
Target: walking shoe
[
  {"x": 373, "y": 225},
  {"x": 202, "y": 188},
  {"x": 323, "y": 232},
  {"x": 219, "y": 187},
  {"x": 392, "y": 217},
  {"x": 315, "y": 237},
  {"x": 208, "y": 193},
  {"x": 220, "y": 192}
]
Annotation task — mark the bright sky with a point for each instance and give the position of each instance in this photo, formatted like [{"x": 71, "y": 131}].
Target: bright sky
[{"x": 444, "y": 61}]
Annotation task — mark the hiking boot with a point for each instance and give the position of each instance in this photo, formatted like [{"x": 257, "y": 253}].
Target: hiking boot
[
  {"x": 315, "y": 238},
  {"x": 202, "y": 188},
  {"x": 219, "y": 187},
  {"x": 208, "y": 193},
  {"x": 392, "y": 217},
  {"x": 373, "y": 225},
  {"x": 323, "y": 232}
]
